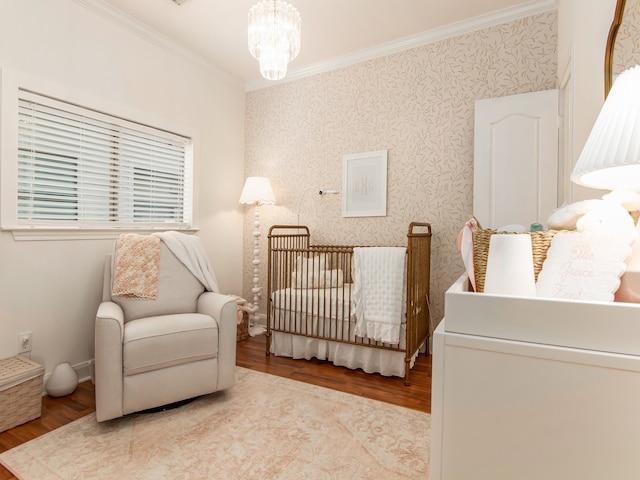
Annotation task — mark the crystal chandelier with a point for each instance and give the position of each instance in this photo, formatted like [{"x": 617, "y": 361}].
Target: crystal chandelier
[{"x": 274, "y": 36}]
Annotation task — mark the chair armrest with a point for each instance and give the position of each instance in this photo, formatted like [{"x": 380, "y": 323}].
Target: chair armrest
[
  {"x": 223, "y": 309},
  {"x": 109, "y": 336}
]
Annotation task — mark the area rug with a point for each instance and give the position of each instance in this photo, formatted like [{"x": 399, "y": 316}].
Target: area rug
[{"x": 265, "y": 427}]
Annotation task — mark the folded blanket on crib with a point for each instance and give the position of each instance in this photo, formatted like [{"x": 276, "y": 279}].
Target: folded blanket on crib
[
  {"x": 379, "y": 287},
  {"x": 137, "y": 262}
]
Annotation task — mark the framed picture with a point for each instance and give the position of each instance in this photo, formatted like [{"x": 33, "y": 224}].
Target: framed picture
[{"x": 364, "y": 184}]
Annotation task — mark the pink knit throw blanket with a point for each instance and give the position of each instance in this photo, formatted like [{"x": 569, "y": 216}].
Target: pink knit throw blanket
[{"x": 137, "y": 266}]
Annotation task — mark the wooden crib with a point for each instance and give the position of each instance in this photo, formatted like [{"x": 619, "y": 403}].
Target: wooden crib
[{"x": 310, "y": 304}]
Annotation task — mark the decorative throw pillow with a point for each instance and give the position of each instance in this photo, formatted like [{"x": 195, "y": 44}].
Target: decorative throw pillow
[
  {"x": 306, "y": 268},
  {"x": 328, "y": 279}
]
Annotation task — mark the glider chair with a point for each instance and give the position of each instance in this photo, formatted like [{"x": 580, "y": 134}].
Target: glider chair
[{"x": 155, "y": 352}]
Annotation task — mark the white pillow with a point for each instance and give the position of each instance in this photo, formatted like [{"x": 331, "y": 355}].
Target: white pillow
[
  {"x": 328, "y": 279},
  {"x": 299, "y": 281},
  {"x": 306, "y": 268}
]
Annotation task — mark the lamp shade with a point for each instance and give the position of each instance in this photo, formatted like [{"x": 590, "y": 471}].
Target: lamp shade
[
  {"x": 610, "y": 158},
  {"x": 257, "y": 190}
]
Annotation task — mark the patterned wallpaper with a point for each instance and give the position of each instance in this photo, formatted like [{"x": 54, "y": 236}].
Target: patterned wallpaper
[
  {"x": 418, "y": 105},
  {"x": 626, "y": 53}
]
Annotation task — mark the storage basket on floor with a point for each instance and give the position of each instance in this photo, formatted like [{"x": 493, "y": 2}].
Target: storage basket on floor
[
  {"x": 20, "y": 391},
  {"x": 242, "y": 333}
]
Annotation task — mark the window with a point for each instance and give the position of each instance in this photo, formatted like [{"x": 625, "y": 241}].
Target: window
[{"x": 80, "y": 168}]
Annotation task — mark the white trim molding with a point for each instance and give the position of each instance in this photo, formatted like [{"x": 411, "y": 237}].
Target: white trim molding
[
  {"x": 128, "y": 22},
  {"x": 527, "y": 9},
  {"x": 149, "y": 34}
]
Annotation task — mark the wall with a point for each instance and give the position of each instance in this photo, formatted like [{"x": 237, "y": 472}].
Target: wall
[
  {"x": 53, "y": 288},
  {"x": 583, "y": 27},
  {"x": 418, "y": 104}
]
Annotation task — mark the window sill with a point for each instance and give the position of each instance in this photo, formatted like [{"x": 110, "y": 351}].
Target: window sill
[{"x": 47, "y": 233}]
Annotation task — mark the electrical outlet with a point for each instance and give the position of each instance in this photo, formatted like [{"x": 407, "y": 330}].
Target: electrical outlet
[{"x": 24, "y": 342}]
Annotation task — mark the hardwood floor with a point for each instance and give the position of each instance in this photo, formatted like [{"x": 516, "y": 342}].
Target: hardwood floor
[
  {"x": 57, "y": 412},
  {"x": 251, "y": 354}
]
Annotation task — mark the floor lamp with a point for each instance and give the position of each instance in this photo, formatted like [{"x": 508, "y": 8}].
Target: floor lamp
[{"x": 257, "y": 191}]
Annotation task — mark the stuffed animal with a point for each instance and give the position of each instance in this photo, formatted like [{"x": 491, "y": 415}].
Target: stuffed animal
[
  {"x": 609, "y": 213},
  {"x": 608, "y": 217},
  {"x": 566, "y": 217}
]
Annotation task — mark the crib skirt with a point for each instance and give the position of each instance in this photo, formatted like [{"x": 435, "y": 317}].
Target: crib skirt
[{"x": 372, "y": 360}]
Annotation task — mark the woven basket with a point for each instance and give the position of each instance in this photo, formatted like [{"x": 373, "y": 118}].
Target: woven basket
[
  {"x": 20, "y": 391},
  {"x": 242, "y": 333},
  {"x": 540, "y": 242}
]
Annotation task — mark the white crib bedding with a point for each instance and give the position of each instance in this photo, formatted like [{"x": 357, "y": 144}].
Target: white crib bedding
[
  {"x": 324, "y": 302},
  {"x": 324, "y": 312},
  {"x": 298, "y": 345},
  {"x": 329, "y": 302},
  {"x": 328, "y": 328}
]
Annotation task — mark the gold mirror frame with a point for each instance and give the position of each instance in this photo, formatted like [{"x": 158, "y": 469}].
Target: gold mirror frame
[{"x": 611, "y": 43}]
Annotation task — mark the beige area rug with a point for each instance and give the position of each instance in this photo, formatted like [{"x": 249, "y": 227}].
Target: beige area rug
[{"x": 265, "y": 427}]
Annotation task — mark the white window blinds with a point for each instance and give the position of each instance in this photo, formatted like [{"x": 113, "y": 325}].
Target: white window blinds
[{"x": 80, "y": 167}]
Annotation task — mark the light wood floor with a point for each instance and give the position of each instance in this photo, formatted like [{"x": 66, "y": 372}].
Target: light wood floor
[{"x": 250, "y": 354}]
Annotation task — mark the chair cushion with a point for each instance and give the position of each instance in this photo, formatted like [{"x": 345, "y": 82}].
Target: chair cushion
[
  {"x": 178, "y": 291},
  {"x": 158, "y": 342}
]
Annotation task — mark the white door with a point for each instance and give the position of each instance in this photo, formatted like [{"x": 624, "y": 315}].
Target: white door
[{"x": 516, "y": 159}]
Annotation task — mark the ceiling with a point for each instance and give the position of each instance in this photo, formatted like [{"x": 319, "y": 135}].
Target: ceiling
[{"x": 216, "y": 30}]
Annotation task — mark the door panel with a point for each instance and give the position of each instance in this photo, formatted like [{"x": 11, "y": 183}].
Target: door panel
[{"x": 516, "y": 159}]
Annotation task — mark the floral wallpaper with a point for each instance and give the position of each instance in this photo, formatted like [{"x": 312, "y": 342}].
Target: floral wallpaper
[
  {"x": 626, "y": 53},
  {"x": 418, "y": 105}
]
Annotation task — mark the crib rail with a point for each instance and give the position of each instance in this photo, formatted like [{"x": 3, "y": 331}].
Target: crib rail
[
  {"x": 418, "y": 283},
  {"x": 310, "y": 295}
]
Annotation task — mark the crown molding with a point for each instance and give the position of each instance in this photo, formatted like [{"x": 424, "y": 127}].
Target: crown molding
[
  {"x": 149, "y": 34},
  {"x": 532, "y": 7},
  {"x": 133, "y": 25}
]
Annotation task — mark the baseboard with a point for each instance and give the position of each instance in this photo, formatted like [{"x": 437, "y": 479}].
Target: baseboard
[
  {"x": 260, "y": 319},
  {"x": 85, "y": 371}
]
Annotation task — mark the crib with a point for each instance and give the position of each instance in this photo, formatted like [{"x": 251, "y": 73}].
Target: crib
[{"x": 311, "y": 311}]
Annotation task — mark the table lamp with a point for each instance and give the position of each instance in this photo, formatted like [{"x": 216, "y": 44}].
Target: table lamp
[{"x": 610, "y": 160}]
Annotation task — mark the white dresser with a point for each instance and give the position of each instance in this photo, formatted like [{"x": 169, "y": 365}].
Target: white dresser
[{"x": 535, "y": 389}]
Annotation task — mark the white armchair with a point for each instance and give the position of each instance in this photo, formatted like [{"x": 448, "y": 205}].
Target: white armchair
[{"x": 150, "y": 353}]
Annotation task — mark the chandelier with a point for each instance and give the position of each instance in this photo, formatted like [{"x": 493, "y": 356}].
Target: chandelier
[{"x": 274, "y": 36}]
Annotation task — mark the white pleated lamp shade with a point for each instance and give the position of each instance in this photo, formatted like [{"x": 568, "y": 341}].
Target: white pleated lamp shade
[
  {"x": 610, "y": 158},
  {"x": 257, "y": 190}
]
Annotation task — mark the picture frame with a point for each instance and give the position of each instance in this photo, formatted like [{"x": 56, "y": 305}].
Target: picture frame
[{"x": 364, "y": 184}]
